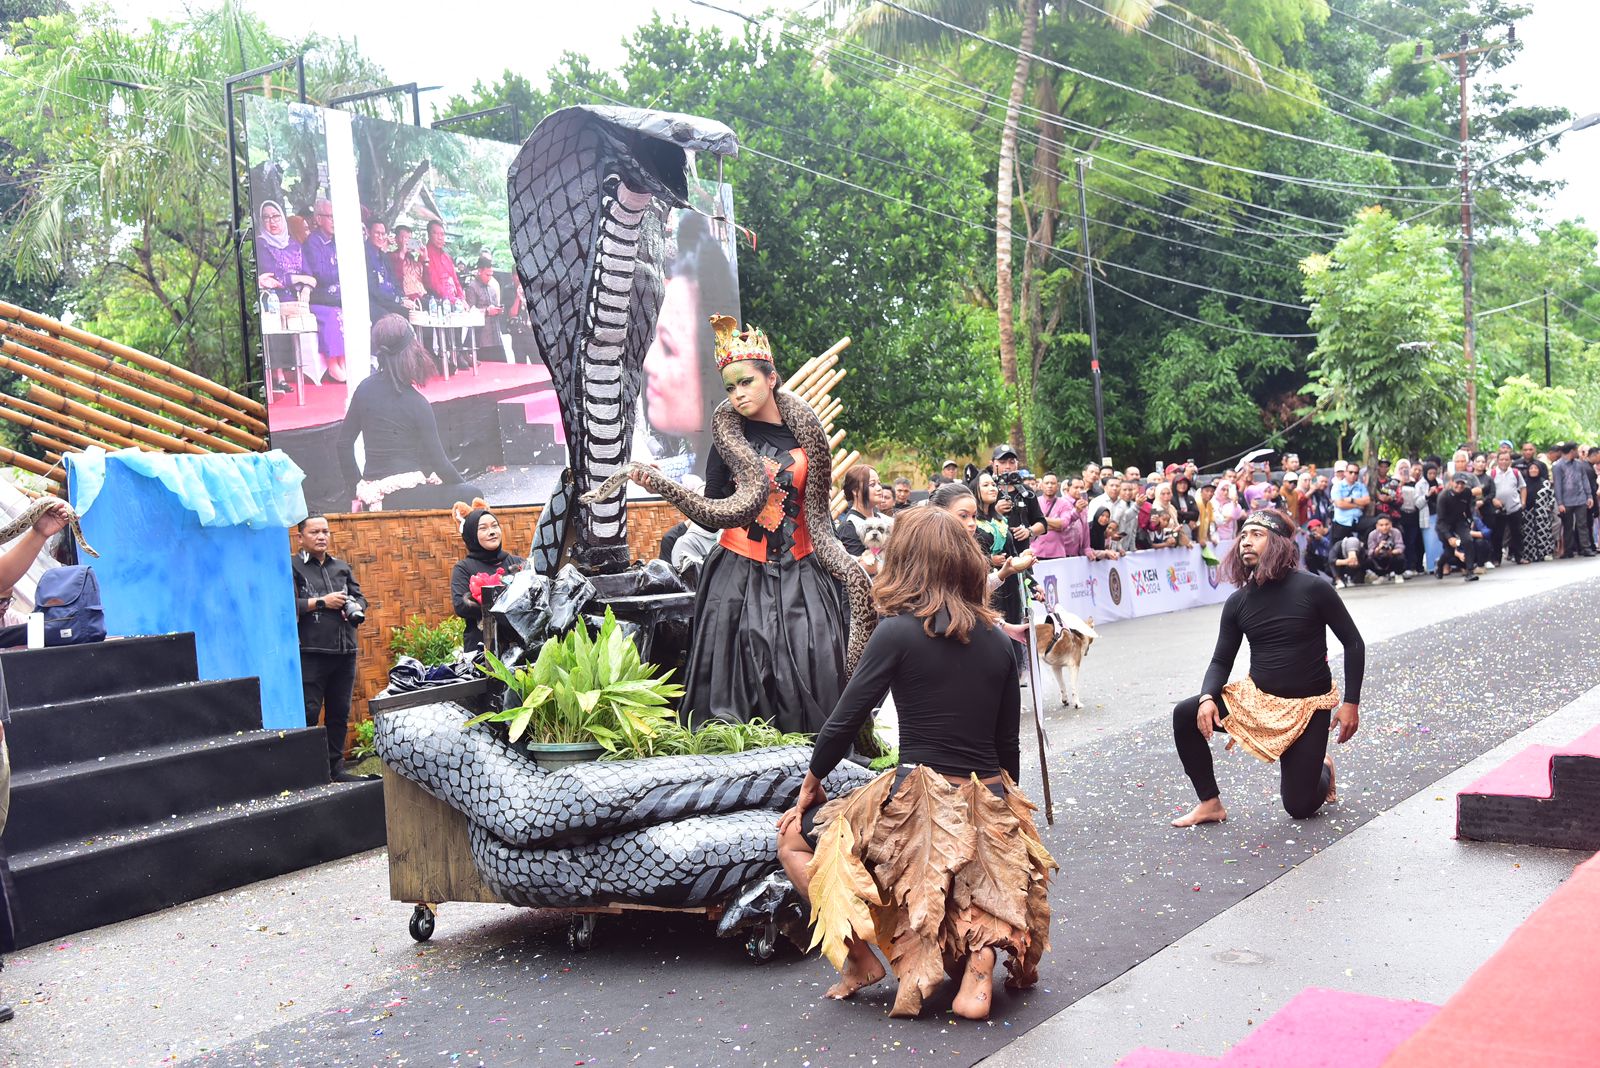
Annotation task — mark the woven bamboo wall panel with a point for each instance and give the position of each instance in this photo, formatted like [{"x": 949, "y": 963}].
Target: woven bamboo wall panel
[{"x": 403, "y": 562}]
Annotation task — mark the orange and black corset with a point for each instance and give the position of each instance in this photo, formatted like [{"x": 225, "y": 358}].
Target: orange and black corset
[{"x": 781, "y": 527}]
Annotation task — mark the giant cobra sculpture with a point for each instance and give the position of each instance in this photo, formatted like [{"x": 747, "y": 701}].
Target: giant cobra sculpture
[{"x": 589, "y": 195}]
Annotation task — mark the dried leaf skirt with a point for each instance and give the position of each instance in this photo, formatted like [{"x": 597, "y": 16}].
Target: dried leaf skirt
[{"x": 930, "y": 873}]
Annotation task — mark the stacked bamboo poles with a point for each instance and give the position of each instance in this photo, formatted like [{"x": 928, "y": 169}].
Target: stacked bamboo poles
[
  {"x": 85, "y": 390},
  {"x": 813, "y": 383}
]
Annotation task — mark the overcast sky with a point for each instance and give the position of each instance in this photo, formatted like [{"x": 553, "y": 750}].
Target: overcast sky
[{"x": 457, "y": 48}]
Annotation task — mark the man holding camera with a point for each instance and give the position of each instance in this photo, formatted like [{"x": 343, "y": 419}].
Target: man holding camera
[
  {"x": 330, "y": 606},
  {"x": 1027, "y": 516}
]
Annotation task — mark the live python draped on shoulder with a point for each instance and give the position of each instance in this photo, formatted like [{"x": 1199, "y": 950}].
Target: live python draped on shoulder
[
  {"x": 750, "y": 495},
  {"x": 20, "y": 525}
]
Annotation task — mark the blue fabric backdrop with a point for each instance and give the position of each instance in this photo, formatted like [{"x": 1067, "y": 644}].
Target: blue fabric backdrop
[{"x": 162, "y": 571}]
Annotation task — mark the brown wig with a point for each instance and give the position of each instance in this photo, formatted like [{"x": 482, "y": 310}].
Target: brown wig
[
  {"x": 932, "y": 568},
  {"x": 401, "y": 356},
  {"x": 1276, "y": 561}
]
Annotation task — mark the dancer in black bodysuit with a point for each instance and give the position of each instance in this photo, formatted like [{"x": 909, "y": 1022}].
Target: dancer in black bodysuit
[{"x": 1282, "y": 710}]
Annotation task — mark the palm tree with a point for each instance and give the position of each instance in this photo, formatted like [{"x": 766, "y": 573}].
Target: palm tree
[{"x": 910, "y": 25}]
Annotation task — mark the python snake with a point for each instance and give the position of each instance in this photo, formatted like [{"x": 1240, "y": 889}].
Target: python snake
[
  {"x": 750, "y": 494},
  {"x": 20, "y": 525}
]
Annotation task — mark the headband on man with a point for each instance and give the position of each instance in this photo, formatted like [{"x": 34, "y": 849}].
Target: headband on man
[
  {"x": 1268, "y": 521},
  {"x": 399, "y": 344}
]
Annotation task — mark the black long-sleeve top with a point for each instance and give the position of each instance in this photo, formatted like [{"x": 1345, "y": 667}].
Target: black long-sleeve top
[
  {"x": 461, "y": 592},
  {"x": 959, "y": 704},
  {"x": 398, "y": 431},
  {"x": 1287, "y": 624},
  {"x": 719, "y": 480},
  {"x": 1454, "y": 509}
]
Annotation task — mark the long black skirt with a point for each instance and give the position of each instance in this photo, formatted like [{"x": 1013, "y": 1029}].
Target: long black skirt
[{"x": 768, "y": 642}]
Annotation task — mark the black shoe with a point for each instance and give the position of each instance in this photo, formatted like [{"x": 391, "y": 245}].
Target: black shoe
[
  {"x": 1471, "y": 577},
  {"x": 6, "y": 1013}
]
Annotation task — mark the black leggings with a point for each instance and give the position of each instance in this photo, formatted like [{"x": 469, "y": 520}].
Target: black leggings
[{"x": 1304, "y": 777}]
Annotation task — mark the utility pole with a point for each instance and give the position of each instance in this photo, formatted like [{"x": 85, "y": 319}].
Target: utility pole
[
  {"x": 1468, "y": 333},
  {"x": 1547, "y": 339},
  {"x": 1094, "y": 334}
]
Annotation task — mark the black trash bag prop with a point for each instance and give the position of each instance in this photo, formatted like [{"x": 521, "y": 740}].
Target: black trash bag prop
[
  {"x": 650, "y": 576},
  {"x": 523, "y": 603},
  {"x": 769, "y": 899}
]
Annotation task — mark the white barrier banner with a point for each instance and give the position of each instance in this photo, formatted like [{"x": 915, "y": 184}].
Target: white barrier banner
[{"x": 1141, "y": 584}]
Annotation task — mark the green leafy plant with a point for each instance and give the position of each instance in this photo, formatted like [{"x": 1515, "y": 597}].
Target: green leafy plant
[
  {"x": 714, "y": 738},
  {"x": 364, "y": 747},
  {"x": 426, "y": 642},
  {"x": 583, "y": 689}
]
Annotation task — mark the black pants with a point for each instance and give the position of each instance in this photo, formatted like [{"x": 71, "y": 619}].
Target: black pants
[
  {"x": 1303, "y": 777},
  {"x": 329, "y": 678},
  {"x": 1575, "y": 537},
  {"x": 1508, "y": 535},
  {"x": 1447, "y": 554},
  {"x": 1386, "y": 563},
  {"x": 1411, "y": 527},
  {"x": 1318, "y": 565},
  {"x": 1354, "y": 572},
  {"x": 1338, "y": 532}
]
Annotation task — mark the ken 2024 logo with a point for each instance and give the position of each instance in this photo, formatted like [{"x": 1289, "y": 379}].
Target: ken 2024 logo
[{"x": 1146, "y": 580}]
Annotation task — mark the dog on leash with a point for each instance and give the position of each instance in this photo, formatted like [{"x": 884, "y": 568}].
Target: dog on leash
[{"x": 1063, "y": 639}]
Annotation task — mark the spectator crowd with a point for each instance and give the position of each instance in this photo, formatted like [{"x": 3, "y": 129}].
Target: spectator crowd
[{"x": 1356, "y": 525}]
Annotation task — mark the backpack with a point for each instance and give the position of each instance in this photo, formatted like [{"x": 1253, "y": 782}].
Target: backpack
[{"x": 69, "y": 597}]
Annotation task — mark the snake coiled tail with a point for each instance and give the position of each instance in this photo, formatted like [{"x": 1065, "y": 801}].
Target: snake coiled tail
[
  {"x": 750, "y": 493},
  {"x": 24, "y": 522}
]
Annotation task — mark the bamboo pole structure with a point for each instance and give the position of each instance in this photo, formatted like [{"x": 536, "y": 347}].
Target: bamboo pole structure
[
  {"x": 36, "y": 425},
  {"x": 165, "y": 441},
  {"x": 51, "y": 370},
  {"x": 162, "y": 442},
  {"x": 27, "y": 463},
  {"x": 832, "y": 379},
  {"x": 87, "y": 434},
  {"x": 830, "y": 356},
  {"x": 237, "y": 401},
  {"x": 833, "y": 442},
  {"x": 222, "y": 419},
  {"x": 44, "y": 441}
]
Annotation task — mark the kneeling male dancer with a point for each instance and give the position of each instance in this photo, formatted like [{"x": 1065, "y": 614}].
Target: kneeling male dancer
[{"x": 1281, "y": 710}]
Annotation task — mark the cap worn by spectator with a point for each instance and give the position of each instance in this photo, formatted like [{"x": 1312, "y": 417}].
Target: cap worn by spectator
[
  {"x": 1171, "y": 468},
  {"x": 1315, "y": 524},
  {"x": 1002, "y": 451},
  {"x": 949, "y": 463},
  {"x": 1459, "y": 476}
]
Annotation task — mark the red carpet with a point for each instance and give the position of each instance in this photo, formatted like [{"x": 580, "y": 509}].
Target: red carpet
[
  {"x": 1528, "y": 773},
  {"x": 326, "y": 403},
  {"x": 1535, "y": 1003}
]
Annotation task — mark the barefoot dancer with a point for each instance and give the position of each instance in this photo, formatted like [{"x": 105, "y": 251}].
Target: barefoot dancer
[
  {"x": 916, "y": 830},
  {"x": 1279, "y": 712}
]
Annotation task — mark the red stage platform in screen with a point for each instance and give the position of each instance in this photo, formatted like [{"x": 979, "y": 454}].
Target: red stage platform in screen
[{"x": 325, "y": 404}]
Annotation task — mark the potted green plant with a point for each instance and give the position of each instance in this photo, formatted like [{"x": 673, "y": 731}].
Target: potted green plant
[
  {"x": 432, "y": 645},
  {"x": 583, "y": 697}
]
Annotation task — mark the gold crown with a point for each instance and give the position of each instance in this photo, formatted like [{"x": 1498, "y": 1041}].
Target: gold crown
[{"x": 733, "y": 345}]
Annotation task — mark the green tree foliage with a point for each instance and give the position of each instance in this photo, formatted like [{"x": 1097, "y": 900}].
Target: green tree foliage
[
  {"x": 1387, "y": 361},
  {"x": 120, "y": 149},
  {"x": 1522, "y": 410}
]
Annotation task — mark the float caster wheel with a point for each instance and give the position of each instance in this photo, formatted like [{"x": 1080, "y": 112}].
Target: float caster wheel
[
  {"x": 422, "y": 922},
  {"x": 580, "y": 933},
  {"x": 763, "y": 943}
]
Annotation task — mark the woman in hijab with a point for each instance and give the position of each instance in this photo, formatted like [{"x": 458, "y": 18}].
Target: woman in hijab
[
  {"x": 486, "y": 555},
  {"x": 280, "y": 269}
]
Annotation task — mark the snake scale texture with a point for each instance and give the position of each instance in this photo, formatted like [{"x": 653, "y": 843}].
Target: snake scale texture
[
  {"x": 750, "y": 494},
  {"x": 668, "y": 831},
  {"x": 20, "y": 525}
]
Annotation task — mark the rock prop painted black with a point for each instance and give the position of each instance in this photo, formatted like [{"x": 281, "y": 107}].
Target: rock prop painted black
[
  {"x": 589, "y": 194},
  {"x": 667, "y": 831}
]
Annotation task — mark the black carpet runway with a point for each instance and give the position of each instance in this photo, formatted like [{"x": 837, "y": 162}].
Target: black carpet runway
[{"x": 658, "y": 989}]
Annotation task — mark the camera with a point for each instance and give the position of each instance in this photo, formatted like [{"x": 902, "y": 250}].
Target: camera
[
  {"x": 1010, "y": 478},
  {"x": 354, "y": 612}
]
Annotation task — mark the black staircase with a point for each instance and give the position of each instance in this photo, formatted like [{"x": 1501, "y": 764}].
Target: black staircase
[{"x": 135, "y": 786}]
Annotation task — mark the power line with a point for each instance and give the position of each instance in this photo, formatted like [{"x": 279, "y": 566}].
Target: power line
[
  {"x": 1148, "y": 95},
  {"x": 1373, "y": 25},
  {"x": 1197, "y": 319},
  {"x": 1234, "y": 47},
  {"x": 1055, "y": 252}
]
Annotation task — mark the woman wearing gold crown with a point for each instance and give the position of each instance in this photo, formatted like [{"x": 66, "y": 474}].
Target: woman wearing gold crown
[{"x": 769, "y": 619}]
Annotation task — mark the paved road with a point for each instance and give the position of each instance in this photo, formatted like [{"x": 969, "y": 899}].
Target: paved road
[{"x": 316, "y": 968}]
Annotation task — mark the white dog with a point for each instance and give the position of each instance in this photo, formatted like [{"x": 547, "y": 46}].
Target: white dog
[
  {"x": 874, "y": 533},
  {"x": 1063, "y": 640}
]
